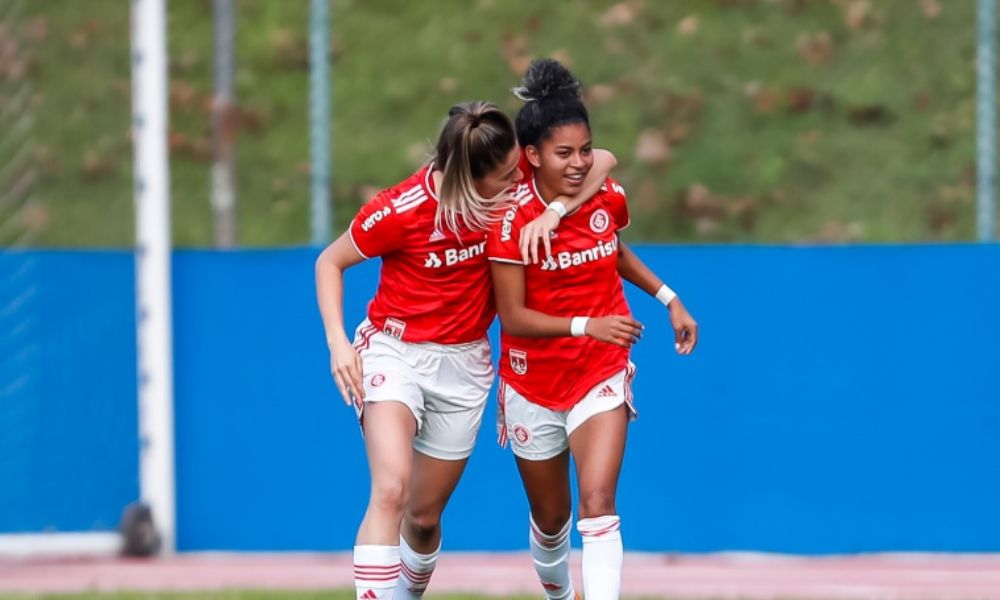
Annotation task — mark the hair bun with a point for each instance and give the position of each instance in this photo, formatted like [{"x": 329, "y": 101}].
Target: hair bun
[{"x": 547, "y": 78}]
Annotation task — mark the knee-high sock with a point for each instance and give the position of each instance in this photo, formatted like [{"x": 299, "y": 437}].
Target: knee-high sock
[
  {"x": 602, "y": 557},
  {"x": 376, "y": 569},
  {"x": 550, "y": 553},
  {"x": 415, "y": 571}
]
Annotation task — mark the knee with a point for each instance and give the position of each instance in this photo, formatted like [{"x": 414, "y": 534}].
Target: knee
[
  {"x": 389, "y": 496},
  {"x": 551, "y": 521},
  {"x": 424, "y": 525},
  {"x": 596, "y": 503}
]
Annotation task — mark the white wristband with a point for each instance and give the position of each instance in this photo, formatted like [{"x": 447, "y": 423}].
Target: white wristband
[
  {"x": 558, "y": 207},
  {"x": 665, "y": 295},
  {"x": 578, "y": 326}
]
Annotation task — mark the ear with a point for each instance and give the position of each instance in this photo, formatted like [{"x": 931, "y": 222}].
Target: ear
[{"x": 532, "y": 153}]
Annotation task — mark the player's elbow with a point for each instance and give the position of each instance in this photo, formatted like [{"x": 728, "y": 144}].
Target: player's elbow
[
  {"x": 606, "y": 158},
  {"x": 512, "y": 323}
]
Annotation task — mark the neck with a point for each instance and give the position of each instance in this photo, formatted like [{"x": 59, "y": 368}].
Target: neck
[{"x": 545, "y": 193}]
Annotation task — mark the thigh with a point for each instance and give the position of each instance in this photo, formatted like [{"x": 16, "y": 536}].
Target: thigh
[
  {"x": 598, "y": 447},
  {"x": 389, "y": 428},
  {"x": 431, "y": 484}
]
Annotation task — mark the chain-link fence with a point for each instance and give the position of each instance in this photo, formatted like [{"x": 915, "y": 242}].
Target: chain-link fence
[{"x": 733, "y": 120}]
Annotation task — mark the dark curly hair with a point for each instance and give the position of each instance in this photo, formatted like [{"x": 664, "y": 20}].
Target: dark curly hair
[{"x": 551, "y": 96}]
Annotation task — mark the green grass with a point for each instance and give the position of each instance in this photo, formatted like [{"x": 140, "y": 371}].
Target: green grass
[{"x": 867, "y": 137}]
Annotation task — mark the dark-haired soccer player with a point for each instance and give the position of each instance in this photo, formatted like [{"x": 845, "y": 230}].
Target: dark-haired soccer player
[{"x": 567, "y": 330}]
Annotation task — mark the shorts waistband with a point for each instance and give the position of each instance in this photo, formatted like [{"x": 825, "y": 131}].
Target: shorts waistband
[{"x": 433, "y": 346}]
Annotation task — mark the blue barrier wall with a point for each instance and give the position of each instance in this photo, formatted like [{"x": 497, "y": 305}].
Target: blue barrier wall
[
  {"x": 842, "y": 399},
  {"x": 68, "y": 427}
]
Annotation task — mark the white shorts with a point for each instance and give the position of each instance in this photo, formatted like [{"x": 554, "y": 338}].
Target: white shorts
[
  {"x": 445, "y": 386},
  {"x": 539, "y": 433}
]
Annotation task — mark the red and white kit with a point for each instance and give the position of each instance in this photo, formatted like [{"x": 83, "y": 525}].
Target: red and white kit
[
  {"x": 424, "y": 341},
  {"x": 567, "y": 379}
]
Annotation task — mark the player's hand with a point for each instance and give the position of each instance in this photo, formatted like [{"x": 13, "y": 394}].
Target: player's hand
[
  {"x": 345, "y": 364},
  {"x": 620, "y": 330},
  {"x": 540, "y": 228},
  {"x": 685, "y": 327}
]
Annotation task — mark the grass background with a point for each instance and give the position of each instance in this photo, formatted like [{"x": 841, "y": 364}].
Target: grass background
[{"x": 775, "y": 121}]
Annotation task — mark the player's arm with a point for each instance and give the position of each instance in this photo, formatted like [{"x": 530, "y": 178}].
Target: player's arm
[
  {"x": 633, "y": 270},
  {"x": 345, "y": 363},
  {"x": 545, "y": 223},
  {"x": 519, "y": 320}
]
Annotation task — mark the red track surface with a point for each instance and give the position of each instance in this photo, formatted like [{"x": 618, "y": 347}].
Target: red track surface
[{"x": 907, "y": 577}]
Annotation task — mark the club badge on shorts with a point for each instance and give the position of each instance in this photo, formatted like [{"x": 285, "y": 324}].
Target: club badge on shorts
[
  {"x": 518, "y": 361},
  {"x": 521, "y": 435}
]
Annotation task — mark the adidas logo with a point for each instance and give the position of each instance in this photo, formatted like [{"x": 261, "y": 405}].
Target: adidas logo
[
  {"x": 369, "y": 595},
  {"x": 437, "y": 236},
  {"x": 606, "y": 392}
]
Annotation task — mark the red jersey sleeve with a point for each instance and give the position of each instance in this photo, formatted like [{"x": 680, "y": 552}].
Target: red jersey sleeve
[
  {"x": 502, "y": 242},
  {"x": 617, "y": 204},
  {"x": 377, "y": 230}
]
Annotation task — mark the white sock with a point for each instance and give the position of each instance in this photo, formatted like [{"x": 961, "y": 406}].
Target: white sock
[
  {"x": 376, "y": 569},
  {"x": 550, "y": 553},
  {"x": 415, "y": 571},
  {"x": 602, "y": 557}
]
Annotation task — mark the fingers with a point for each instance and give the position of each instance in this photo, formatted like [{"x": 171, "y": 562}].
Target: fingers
[
  {"x": 692, "y": 337},
  {"x": 547, "y": 242},
  {"x": 685, "y": 337},
  {"x": 342, "y": 388},
  {"x": 529, "y": 243},
  {"x": 619, "y": 330},
  {"x": 361, "y": 372},
  {"x": 353, "y": 381},
  {"x": 630, "y": 326},
  {"x": 347, "y": 374}
]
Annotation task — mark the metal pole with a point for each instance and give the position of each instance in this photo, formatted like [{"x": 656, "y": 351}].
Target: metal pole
[
  {"x": 223, "y": 129},
  {"x": 987, "y": 127},
  {"x": 319, "y": 119},
  {"x": 152, "y": 265}
]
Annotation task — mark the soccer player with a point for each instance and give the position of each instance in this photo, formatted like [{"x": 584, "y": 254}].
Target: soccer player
[
  {"x": 564, "y": 364},
  {"x": 419, "y": 370}
]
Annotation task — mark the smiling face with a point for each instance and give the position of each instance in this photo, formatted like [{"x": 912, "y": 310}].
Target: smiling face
[
  {"x": 562, "y": 160},
  {"x": 496, "y": 182}
]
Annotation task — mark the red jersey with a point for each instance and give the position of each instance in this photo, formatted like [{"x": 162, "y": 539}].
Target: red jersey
[
  {"x": 434, "y": 285},
  {"x": 579, "y": 280}
]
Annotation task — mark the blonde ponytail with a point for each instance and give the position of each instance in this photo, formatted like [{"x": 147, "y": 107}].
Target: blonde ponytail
[{"x": 475, "y": 140}]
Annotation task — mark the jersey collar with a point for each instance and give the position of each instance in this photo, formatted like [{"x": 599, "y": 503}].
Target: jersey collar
[
  {"x": 537, "y": 194},
  {"x": 429, "y": 182}
]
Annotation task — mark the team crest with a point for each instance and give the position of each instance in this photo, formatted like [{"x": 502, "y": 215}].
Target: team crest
[
  {"x": 394, "y": 328},
  {"x": 521, "y": 435},
  {"x": 519, "y": 361},
  {"x": 599, "y": 221},
  {"x": 377, "y": 379}
]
